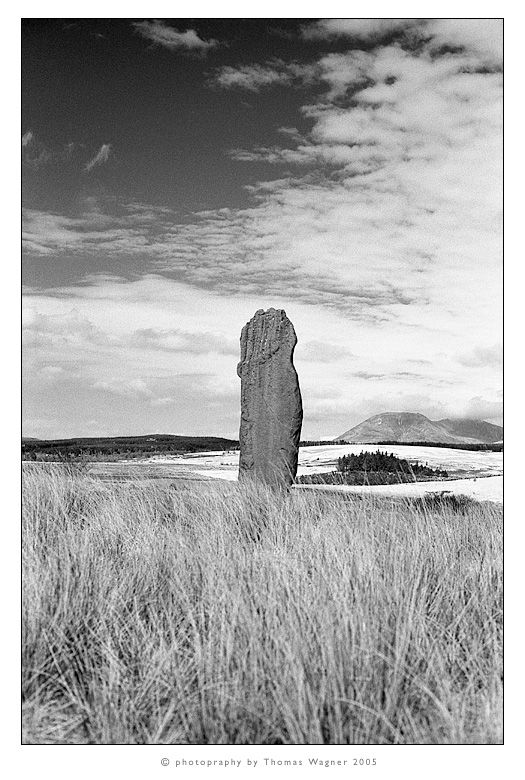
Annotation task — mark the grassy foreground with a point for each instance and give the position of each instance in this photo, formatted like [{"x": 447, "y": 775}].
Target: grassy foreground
[{"x": 228, "y": 614}]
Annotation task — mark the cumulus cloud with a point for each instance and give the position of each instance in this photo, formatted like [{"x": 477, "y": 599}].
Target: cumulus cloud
[
  {"x": 102, "y": 156},
  {"x": 163, "y": 35}
]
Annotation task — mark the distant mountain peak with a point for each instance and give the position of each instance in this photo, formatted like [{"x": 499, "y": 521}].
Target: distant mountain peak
[{"x": 414, "y": 426}]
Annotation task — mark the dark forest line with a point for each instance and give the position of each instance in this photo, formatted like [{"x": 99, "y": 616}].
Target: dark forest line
[{"x": 99, "y": 448}]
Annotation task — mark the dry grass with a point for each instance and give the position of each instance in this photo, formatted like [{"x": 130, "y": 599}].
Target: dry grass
[{"x": 226, "y": 614}]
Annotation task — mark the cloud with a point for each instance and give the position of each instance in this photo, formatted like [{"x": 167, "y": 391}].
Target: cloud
[
  {"x": 64, "y": 331},
  {"x": 92, "y": 348},
  {"x": 82, "y": 365},
  {"x": 163, "y": 35},
  {"x": 386, "y": 376},
  {"x": 36, "y": 155},
  {"x": 481, "y": 36},
  {"x": 480, "y": 408},
  {"x": 176, "y": 340},
  {"x": 129, "y": 388},
  {"x": 418, "y": 158},
  {"x": 101, "y": 157},
  {"x": 321, "y": 352},
  {"x": 255, "y": 77},
  {"x": 482, "y": 357},
  {"x": 116, "y": 230},
  {"x": 360, "y": 29}
]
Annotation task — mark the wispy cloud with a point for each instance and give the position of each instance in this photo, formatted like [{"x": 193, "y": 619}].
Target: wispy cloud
[
  {"x": 122, "y": 229},
  {"x": 483, "y": 357},
  {"x": 255, "y": 77},
  {"x": 177, "y": 340},
  {"x": 321, "y": 352},
  {"x": 359, "y": 29},
  {"x": 482, "y": 36},
  {"x": 70, "y": 330},
  {"x": 36, "y": 154},
  {"x": 101, "y": 157},
  {"x": 163, "y": 35}
]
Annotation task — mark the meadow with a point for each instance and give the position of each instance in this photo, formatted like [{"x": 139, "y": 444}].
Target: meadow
[
  {"x": 478, "y": 474},
  {"x": 220, "y": 613}
]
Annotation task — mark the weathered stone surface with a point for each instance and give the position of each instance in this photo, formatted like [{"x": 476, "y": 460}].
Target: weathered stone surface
[{"x": 271, "y": 406}]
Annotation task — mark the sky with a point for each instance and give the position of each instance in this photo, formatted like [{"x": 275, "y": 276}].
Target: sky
[{"x": 179, "y": 174}]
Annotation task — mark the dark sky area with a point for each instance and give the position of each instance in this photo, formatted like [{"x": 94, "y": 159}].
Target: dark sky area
[{"x": 88, "y": 81}]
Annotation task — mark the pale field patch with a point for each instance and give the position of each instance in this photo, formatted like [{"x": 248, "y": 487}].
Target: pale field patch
[{"x": 479, "y": 474}]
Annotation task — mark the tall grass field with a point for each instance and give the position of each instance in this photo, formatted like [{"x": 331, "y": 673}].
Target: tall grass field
[{"x": 230, "y": 614}]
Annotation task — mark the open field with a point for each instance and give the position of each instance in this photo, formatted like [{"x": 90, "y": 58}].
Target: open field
[
  {"x": 212, "y": 612},
  {"x": 479, "y": 489},
  {"x": 475, "y": 474}
]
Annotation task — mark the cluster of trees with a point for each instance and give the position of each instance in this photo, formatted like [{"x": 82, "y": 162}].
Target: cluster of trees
[
  {"x": 374, "y": 468},
  {"x": 383, "y": 461}
]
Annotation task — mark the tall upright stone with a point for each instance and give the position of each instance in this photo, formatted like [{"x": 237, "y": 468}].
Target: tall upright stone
[{"x": 271, "y": 406}]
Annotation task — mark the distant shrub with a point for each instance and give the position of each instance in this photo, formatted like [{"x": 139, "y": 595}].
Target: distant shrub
[{"x": 460, "y": 504}]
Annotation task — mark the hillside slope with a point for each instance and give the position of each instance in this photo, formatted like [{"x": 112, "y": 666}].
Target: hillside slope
[
  {"x": 413, "y": 427},
  {"x": 129, "y": 446},
  {"x": 476, "y": 429}
]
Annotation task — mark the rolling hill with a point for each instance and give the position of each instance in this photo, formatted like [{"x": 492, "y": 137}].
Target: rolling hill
[
  {"x": 414, "y": 427},
  {"x": 126, "y": 446},
  {"x": 474, "y": 429}
]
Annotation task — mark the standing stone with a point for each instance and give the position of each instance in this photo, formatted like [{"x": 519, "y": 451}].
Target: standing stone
[{"x": 271, "y": 406}]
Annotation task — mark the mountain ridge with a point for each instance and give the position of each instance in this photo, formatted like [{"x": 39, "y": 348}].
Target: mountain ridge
[{"x": 413, "y": 426}]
